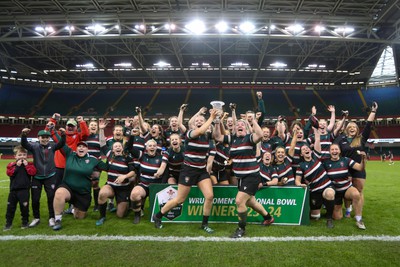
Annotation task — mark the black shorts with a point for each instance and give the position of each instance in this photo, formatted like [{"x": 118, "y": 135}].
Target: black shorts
[
  {"x": 339, "y": 196},
  {"x": 220, "y": 175},
  {"x": 145, "y": 187},
  {"x": 121, "y": 193},
  {"x": 249, "y": 184},
  {"x": 80, "y": 201},
  {"x": 358, "y": 174},
  {"x": 316, "y": 200},
  {"x": 174, "y": 174},
  {"x": 191, "y": 176}
]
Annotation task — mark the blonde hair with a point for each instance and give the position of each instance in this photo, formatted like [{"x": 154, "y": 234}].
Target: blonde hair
[
  {"x": 356, "y": 142},
  {"x": 19, "y": 149}
]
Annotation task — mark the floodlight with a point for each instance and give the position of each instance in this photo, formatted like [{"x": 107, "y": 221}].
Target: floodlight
[
  {"x": 162, "y": 64},
  {"x": 196, "y": 27},
  {"x": 344, "y": 30},
  {"x": 319, "y": 28},
  {"x": 247, "y": 27},
  {"x": 221, "y": 26},
  {"x": 278, "y": 65},
  {"x": 170, "y": 26},
  {"x": 295, "y": 28}
]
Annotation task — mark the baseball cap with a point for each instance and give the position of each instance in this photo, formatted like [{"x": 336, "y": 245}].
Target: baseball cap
[
  {"x": 72, "y": 121},
  {"x": 44, "y": 133},
  {"x": 83, "y": 143}
]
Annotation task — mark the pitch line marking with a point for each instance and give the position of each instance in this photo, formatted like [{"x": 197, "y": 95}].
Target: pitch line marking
[{"x": 385, "y": 238}]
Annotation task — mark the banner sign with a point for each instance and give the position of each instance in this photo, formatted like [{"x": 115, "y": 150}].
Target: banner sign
[{"x": 288, "y": 204}]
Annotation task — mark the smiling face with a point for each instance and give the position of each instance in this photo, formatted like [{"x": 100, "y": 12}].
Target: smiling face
[
  {"x": 71, "y": 128},
  {"x": 117, "y": 148},
  {"x": 118, "y": 132},
  {"x": 267, "y": 158},
  {"x": 280, "y": 154},
  {"x": 352, "y": 129},
  {"x": 334, "y": 150},
  {"x": 93, "y": 127},
  {"x": 241, "y": 129},
  {"x": 300, "y": 134},
  {"x": 175, "y": 140},
  {"x": 81, "y": 150},
  {"x": 151, "y": 147},
  {"x": 305, "y": 152},
  {"x": 44, "y": 140},
  {"x": 322, "y": 125},
  {"x": 173, "y": 122},
  {"x": 199, "y": 121},
  {"x": 155, "y": 130},
  {"x": 266, "y": 133},
  {"x": 229, "y": 123}
]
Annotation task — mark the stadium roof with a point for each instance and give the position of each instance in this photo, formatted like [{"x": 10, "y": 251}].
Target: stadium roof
[{"x": 285, "y": 42}]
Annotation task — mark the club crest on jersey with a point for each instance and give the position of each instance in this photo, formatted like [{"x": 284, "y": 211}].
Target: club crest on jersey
[
  {"x": 341, "y": 164},
  {"x": 87, "y": 161}
]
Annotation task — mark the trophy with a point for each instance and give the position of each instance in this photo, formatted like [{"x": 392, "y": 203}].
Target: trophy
[{"x": 218, "y": 106}]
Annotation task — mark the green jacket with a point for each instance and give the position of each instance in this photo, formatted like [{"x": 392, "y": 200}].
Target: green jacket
[{"x": 78, "y": 170}]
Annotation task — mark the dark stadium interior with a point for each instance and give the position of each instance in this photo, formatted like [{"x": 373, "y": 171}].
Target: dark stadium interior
[{"x": 65, "y": 56}]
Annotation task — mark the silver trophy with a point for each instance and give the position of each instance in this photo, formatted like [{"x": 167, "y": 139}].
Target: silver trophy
[{"x": 218, "y": 106}]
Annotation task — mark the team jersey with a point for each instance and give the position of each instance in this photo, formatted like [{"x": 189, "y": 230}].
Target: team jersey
[
  {"x": 111, "y": 140},
  {"x": 338, "y": 172},
  {"x": 243, "y": 154},
  {"x": 167, "y": 134},
  {"x": 93, "y": 145},
  {"x": 345, "y": 143},
  {"x": 174, "y": 159},
  {"x": 285, "y": 170},
  {"x": 118, "y": 165},
  {"x": 78, "y": 170},
  {"x": 221, "y": 157},
  {"x": 267, "y": 173},
  {"x": 296, "y": 159},
  {"x": 271, "y": 144},
  {"x": 149, "y": 165},
  {"x": 326, "y": 142},
  {"x": 313, "y": 173},
  {"x": 196, "y": 150}
]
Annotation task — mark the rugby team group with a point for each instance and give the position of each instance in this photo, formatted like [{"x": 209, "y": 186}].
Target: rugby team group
[{"x": 325, "y": 156}]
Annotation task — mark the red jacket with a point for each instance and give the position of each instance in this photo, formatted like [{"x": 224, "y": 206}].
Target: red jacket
[
  {"x": 20, "y": 176},
  {"x": 72, "y": 140}
]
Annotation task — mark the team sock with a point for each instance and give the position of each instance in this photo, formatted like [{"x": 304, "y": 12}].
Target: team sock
[
  {"x": 242, "y": 219},
  {"x": 103, "y": 210},
  {"x": 205, "y": 220},
  {"x": 267, "y": 217}
]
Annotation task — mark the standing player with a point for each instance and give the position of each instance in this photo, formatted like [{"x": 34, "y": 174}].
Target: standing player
[
  {"x": 194, "y": 171},
  {"x": 246, "y": 169}
]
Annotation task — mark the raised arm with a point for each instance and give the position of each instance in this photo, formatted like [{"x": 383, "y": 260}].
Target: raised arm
[
  {"x": 331, "y": 124},
  {"x": 293, "y": 143},
  {"x": 200, "y": 131},
  {"x": 372, "y": 114},
  {"x": 257, "y": 131},
  {"x": 261, "y": 108},
  {"x": 317, "y": 141},
  {"x": 24, "y": 139},
  {"x": 182, "y": 109},
  {"x": 202, "y": 111},
  {"x": 142, "y": 125},
  {"x": 340, "y": 124},
  {"x": 84, "y": 130},
  {"x": 232, "y": 106},
  {"x": 102, "y": 137}
]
